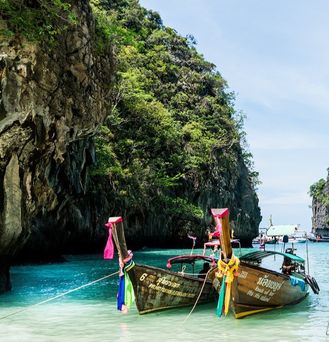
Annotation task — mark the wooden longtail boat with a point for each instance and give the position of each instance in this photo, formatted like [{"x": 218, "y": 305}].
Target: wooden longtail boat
[
  {"x": 158, "y": 289},
  {"x": 253, "y": 287}
]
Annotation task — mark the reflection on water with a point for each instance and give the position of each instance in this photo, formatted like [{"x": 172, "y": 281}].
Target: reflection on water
[{"x": 90, "y": 314}]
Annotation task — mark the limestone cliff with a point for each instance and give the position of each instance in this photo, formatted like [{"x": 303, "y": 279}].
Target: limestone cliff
[
  {"x": 52, "y": 102},
  {"x": 320, "y": 207}
]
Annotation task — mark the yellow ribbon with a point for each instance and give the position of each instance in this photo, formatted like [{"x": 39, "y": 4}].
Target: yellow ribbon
[{"x": 230, "y": 270}]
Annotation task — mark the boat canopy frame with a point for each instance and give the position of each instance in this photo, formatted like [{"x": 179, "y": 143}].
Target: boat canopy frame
[
  {"x": 190, "y": 259},
  {"x": 259, "y": 255}
]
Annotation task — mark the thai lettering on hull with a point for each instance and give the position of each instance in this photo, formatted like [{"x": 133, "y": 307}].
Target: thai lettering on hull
[
  {"x": 268, "y": 283},
  {"x": 265, "y": 289},
  {"x": 161, "y": 284}
]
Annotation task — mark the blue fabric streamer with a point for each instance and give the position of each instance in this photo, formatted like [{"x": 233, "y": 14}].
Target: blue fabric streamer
[
  {"x": 294, "y": 281},
  {"x": 121, "y": 292}
]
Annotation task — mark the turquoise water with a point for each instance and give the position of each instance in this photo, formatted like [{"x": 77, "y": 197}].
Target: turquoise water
[{"x": 90, "y": 314}]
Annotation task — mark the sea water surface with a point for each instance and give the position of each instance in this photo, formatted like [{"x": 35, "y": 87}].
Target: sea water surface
[{"x": 90, "y": 313}]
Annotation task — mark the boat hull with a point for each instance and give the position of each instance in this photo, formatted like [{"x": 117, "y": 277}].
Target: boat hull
[
  {"x": 257, "y": 289},
  {"x": 158, "y": 289}
]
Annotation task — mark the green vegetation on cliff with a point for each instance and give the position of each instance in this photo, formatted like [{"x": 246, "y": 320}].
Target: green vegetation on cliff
[
  {"x": 36, "y": 20},
  {"x": 318, "y": 191},
  {"x": 173, "y": 130}
]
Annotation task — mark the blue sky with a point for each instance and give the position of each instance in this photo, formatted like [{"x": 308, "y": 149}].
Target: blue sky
[{"x": 275, "y": 57}]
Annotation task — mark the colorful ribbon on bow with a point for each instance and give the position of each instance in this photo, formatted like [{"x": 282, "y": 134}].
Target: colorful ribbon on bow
[
  {"x": 227, "y": 271},
  {"x": 126, "y": 292}
]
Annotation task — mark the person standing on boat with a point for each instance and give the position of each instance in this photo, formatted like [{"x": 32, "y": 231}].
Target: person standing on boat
[
  {"x": 262, "y": 241},
  {"x": 287, "y": 266}
]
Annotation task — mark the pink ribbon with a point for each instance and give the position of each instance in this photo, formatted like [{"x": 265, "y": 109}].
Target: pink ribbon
[{"x": 109, "y": 248}]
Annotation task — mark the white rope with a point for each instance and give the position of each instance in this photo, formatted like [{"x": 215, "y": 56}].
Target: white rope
[
  {"x": 58, "y": 296},
  {"x": 196, "y": 302}
]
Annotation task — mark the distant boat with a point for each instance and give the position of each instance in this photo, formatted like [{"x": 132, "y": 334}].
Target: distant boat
[
  {"x": 159, "y": 289},
  {"x": 319, "y": 238},
  {"x": 279, "y": 233},
  {"x": 262, "y": 240},
  {"x": 296, "y": 239},
  {"x": 254, "y": 288}
]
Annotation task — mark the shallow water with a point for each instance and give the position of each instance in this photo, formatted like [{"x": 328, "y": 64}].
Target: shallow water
[{"x": 90, "y": 313}]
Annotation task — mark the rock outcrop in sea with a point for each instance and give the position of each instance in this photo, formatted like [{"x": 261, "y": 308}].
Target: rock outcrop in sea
[{"x": 320, "y": 207}]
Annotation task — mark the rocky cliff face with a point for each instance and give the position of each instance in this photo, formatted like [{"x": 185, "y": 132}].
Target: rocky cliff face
[
  {"x": 51, "y": 105},
  {"x": 152, "y": 227},
  {"x": 236, "y": 193}
]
